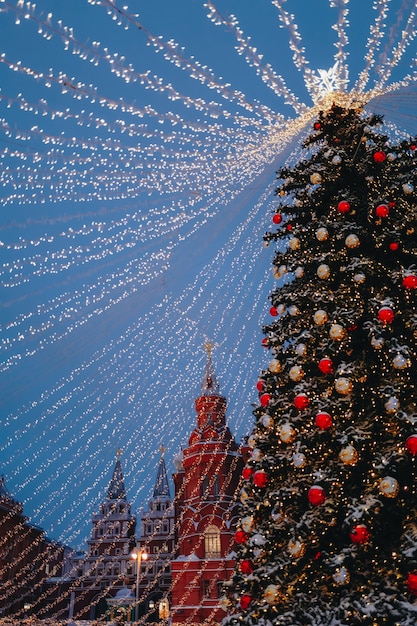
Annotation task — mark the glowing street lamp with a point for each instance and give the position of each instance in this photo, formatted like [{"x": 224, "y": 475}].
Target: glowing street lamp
[
  {"x": 164, "y": 609},
  {"x": 138, "y": 554}
]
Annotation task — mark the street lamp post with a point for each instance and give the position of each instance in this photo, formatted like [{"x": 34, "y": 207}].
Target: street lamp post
[{"x": 138, "y": 554}]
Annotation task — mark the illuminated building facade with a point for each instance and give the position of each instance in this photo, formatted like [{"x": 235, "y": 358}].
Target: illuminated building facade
[{"x": 206, "y": 484}]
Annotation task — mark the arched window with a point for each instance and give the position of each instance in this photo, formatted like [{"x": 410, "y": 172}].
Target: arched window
[
  {"x": 212, "y": 542},
  {"x": 205, "y": 488},
  {"x": 216, "y": 488}
]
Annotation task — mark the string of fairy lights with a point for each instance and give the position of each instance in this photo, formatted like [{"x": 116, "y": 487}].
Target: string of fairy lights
[
  {"x": 133, "y": 230},
  {"x": 121, "y": 371}
]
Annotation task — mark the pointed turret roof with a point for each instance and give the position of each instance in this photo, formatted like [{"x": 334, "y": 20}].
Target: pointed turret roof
[
  {"x": 209, "y": 384},
  {"x": 116, "y": 490},
  {"x": 161, "y": 488}
]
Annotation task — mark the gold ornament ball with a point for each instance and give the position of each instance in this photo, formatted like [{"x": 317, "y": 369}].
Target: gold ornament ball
[
  {"x": 275, "y": 366},
  {"x": 352, "y": 241},
  {"x": 400, "y": 362},
  {"x": 323, "y": 271},
  {"x": 389, "y": 487},
  {"x": 315, "y": 178},
  {"x": 392, "y": 405},
  {"x": 296, "y": 373},
  {"x": 377, "y": 342},
  {"x": 322, "y": 234},
  {"x": 296, "y": 548},
  {"x": 267, "y": 421},
  {"x": 299, "y": 272},
  {"x": 348, "y": 455},
  {"x": 408, "y": 188},
  {"x": 301, "y": 349},
  {"x": 294, "y": 243},
  {"x": 337, "y": 332},
  {"x": 320, "y": 317},
  {"x": 343, "y": 386},
  {"x": 286, "y": 433},
  {"x": 299, "y": 460},
  {"x": 271, "y": 594},
  {"x": 257, "y": 454},
  {"x": 252, "y": 441},
  {"x": 359, "y": 278}
]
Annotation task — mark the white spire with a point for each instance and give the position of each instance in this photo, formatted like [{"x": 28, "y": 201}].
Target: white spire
[{"x": 209, "y": 384}]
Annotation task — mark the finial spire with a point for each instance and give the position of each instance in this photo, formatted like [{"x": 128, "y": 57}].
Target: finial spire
[
  {"x": 119, "y": 454},
  {"x": 209, "y": 384},
  {"x": 162, "y": 450},
  {"x": 208, "y": 346}
]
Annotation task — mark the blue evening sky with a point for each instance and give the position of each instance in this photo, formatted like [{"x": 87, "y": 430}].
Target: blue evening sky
[{"x": 133, "y": 207}]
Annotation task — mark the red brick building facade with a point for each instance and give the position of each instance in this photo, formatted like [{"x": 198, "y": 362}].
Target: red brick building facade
[{"x": 206, "y": 486}]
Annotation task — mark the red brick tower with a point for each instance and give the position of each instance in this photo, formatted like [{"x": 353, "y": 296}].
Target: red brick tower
[{"x": 206, "y": 484}]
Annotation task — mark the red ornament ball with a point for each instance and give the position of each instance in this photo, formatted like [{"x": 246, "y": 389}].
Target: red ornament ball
[
  {"x": 241, "y": 536},
  {"x": 394, "y": 245},
  {"x": 246, "y": 566},
  {"x": 413, "y": 146},
  {"x": 379, "y": 156},
  {"x": 264, "y": 399},
  {"x": 301, "y": 401},
  {"x": 277, "y": 219},
  {"x": 260, "y": 385},
  {"x": 326, "y": 366},
  {"x": 410, "y": 281},
  {"x": 324, "y": 420},
  {"x": 382, "y": 210},
  {"x": 273, "y": 311},
  {"x": 317, "y": 125},
  {"x": 343, "y": 206},
  {"x": 247, "y": 472},
  {"x": 411, "y": 444},
  {"x": 360, "y": 534},
  {"x": 265, "y": 342},
  {"x": 412, "y": 582},
  {"x": 316, "y": 495},
  {"x": 260, "y": 478},
  {"x": 245, "y": 601},
  {"x": 386, "y": 315}
]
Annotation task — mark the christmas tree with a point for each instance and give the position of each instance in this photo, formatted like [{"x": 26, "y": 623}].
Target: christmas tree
[{"x": 328, "y": 527}]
